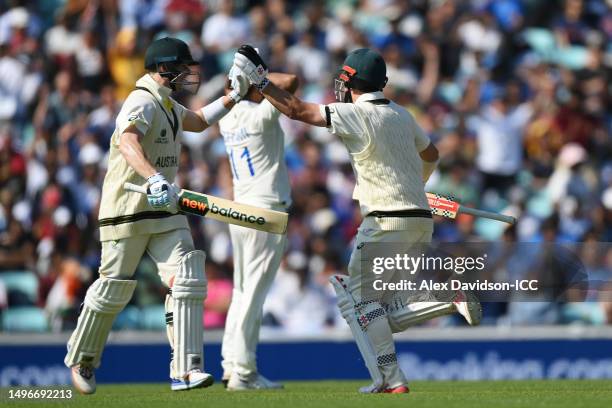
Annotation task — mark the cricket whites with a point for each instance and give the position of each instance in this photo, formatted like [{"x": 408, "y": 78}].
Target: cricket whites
[{"x": 227, "y": 211}]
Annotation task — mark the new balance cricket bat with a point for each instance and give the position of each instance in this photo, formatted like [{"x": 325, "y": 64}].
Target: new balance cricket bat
[
  {"x": 449, "y": 208},
  {"x": 227, "y": 211}
]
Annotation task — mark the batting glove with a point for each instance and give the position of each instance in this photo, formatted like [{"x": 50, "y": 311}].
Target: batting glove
[
  {"x": 161, "y": 194},
  {"x": 239, "y": 82},
  {"x": 250, "y": 63}
]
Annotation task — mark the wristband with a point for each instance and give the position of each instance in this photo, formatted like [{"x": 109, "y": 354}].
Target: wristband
[
  {"x": 234, "y": 96},
  {"x": 264, "y": 82},
  {"x": 214, "y": 111}
]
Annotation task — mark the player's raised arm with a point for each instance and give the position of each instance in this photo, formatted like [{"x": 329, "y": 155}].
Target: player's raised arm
[
  {"x": 286, "y": 82},
  {"x": 197, "y": 121},
  {"x": 251, "y": 64}
]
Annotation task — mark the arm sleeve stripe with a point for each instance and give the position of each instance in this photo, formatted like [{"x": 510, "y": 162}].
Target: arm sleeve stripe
[{"x": 327, "y": 117}]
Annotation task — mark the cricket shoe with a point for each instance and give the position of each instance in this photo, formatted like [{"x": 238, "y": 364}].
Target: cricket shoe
[
  {"x": 469, "y": 307},
  {"x": 377, "y": 389},
  {"x": 238, "y": 382},
  {"x": 83, "y": 378},
  {"x": 402, "y": 389},
  {"x": 193, "y": 379}
]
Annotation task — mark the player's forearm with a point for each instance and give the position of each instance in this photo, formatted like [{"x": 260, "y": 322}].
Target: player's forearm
[
  {"x": 200, "y": 120},
  {"x": 291, "y": 106},
  {"x": 132, "y": 152},
  {"x": 288, "y": 82}
]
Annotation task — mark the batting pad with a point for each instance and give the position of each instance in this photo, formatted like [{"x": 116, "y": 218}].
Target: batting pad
[
  {"x": 403, "y": 315},
  {"x": 104, "y": 300},
  {"x": 169, "y": 309},
  {"x": 346, "y": 304},
  {"x": 188, "y": 293}
]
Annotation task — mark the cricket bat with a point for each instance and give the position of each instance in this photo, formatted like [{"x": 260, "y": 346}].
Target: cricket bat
[
  {"x": 227, "y": 211},
  {"x": 447, "y": 207}
]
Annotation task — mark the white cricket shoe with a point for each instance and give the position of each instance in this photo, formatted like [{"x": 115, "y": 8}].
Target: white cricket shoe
[
  {"x": 193, "y": 379},
  {"x": 469, "y": 307},
  {"x": 83, "y": 378},
  {"x": 371, "y": 389},
  {"x": 381, "y": 389},
  {"x": 238, "y": 382}
]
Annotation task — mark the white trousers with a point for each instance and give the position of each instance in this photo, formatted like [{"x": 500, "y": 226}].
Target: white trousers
[
  {"x": 378, "y": 333},
  {"x": 410, "y": 240},
  {"x": 257, "y": 256},
  {"x": 120, "y": 258}
]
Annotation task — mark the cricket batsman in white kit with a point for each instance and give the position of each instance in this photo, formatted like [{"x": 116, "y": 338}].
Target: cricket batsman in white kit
[
  {"x": 145, "y": 148},
  {"x": 255, "y": 145},
  {"x": 392, "y": 159}
]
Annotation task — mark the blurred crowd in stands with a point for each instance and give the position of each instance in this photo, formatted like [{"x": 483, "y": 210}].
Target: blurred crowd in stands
[{"x": 515, "y": 94}]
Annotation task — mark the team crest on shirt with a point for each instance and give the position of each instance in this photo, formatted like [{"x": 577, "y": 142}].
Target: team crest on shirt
[{"x": 162, "y": 138}]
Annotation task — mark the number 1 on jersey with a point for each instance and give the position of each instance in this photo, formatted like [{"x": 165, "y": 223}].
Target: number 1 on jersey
[{"x": 245, "y": 153}]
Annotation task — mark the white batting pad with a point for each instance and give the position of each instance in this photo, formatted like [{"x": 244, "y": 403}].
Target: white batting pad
[
  {"x": 403, "y": 315},
  {"x": 346, "y": 304},
  {"x": 169, "y": 309},
  {"x": 104, "y": 300},
  {"x": 188, "y": 293}
]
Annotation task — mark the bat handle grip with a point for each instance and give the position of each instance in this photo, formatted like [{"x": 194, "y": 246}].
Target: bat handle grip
[
  {"x": 486, "y": 214},
  {"x": 135, "y": 188}
]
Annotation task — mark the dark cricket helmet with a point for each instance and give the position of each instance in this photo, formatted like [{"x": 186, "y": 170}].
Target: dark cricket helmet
[
  {"x": 363, "y": 70},
  {"x": 170, "y": 57}
]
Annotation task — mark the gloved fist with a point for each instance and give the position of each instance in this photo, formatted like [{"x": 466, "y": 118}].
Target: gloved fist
[
  {"x": 161, "y": 194},
  {"x": 250, "y": 63},
  {"x": 239, "y": 82}
]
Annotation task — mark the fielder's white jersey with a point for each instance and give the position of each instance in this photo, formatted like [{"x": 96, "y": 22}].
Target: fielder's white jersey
[
  {"x": 384, "y": 142},
  {"x": 255, "y": 146}
]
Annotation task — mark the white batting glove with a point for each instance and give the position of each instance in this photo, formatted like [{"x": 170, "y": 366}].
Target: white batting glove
[
  {"x": 161, "y": 194},
  {"x": 239, "y": 82},
  {"x": 250, "y": 63}
]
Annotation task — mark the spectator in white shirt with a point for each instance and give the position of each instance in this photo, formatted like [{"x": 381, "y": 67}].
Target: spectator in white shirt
[
  {"x": 305, "y": 59},
  {"x": 223, "y": 31},
  {"x": 499, "y": 128}
]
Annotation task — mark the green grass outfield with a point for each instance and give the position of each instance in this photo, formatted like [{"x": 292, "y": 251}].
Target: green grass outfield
[{"x": 329, "y": 394}]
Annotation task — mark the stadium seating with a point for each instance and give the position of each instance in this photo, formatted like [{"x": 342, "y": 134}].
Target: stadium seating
[
  {"x": 22, "y": 287},
  {"x": 153, "y": 317},
  {"x": 129, "y": 318},
  {"x": 24, "y": 319}
]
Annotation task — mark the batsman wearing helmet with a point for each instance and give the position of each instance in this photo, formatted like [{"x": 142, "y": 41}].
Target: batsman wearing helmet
[
  {"x": 392, "y": 159},
  {"x": 144, "y": 148}
]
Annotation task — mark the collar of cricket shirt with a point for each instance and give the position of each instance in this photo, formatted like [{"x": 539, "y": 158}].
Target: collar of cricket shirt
[
  {"x": 160, "y": 92},
  {"x": 370, "y": 96}
]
